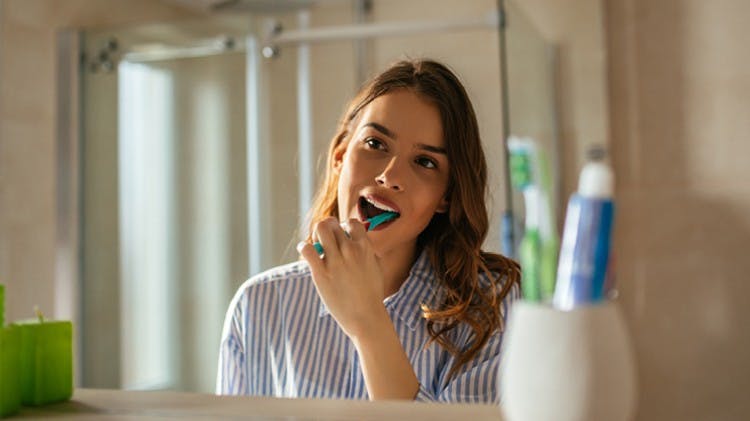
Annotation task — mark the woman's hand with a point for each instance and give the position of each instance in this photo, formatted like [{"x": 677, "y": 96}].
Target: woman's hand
[
  {"x": 350, "y": 282},
  {"x": 348, "y": 277}
]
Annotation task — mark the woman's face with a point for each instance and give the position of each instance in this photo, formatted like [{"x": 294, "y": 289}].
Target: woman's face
[{"x": 395, "y": 160}]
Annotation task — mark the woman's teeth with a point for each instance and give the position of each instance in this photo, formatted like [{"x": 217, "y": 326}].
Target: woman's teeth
[
  {"x": 371, "y": 209},
  {"x": 381, "y": 206}
]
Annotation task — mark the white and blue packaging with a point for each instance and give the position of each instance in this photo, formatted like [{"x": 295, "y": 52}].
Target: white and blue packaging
[{"x": 585, "y": 251}]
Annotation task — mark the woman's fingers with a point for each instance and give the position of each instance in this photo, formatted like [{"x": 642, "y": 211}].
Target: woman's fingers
[
  {"x": 309, "y": 253},
  {"x": 356, "y": 230},
  {"x": 339, "y": 240},
  {"x": 330, "y": 235},
  {"x": 352, "y": 249},
  {"x": 341, "y": 231},
  {"x": 348, "y": 277}
]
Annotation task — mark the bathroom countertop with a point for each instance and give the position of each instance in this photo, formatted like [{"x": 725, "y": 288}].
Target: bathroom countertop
[{"x": 99, "y": 404}]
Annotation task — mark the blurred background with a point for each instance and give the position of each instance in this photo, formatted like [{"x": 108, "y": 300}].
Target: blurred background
[{"x": 155, "y": 154}]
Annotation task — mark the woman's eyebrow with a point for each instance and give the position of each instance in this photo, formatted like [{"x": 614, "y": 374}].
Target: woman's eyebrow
[
  {"x": 434, "y": 149},
  {"x": 384, "y": 130}
]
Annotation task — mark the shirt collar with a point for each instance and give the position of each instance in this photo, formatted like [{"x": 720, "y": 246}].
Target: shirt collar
[{"x": 419, "y": 288}]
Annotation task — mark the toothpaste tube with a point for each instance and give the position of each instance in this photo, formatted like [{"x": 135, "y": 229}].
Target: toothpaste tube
[{"x": 585, "y": 251}]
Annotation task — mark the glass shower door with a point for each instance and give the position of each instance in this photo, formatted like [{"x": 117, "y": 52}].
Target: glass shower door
[
  {"x": 191, "y": 184},
  {"x": 182, "y": 211},
  {"x": 165, "y": 189}
]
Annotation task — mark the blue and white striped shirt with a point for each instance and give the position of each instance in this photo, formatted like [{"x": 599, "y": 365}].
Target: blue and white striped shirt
[{"x": 280, "y": 340}]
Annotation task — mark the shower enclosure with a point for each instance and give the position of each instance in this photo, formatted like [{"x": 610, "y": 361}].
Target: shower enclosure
[{"x": 200, "y": 146}]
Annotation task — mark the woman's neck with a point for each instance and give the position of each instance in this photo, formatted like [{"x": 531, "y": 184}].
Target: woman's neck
[{"x": 396, "y": 265}]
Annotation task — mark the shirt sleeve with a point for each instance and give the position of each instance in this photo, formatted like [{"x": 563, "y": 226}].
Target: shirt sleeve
[
  {"x": 231, "y": 378},
  {"x": 477, "y": 380}
]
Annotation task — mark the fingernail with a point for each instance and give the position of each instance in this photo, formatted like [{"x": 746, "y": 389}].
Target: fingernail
[
  {"x": 347, "y": 229},
  {"x": 300, "y": 246}
]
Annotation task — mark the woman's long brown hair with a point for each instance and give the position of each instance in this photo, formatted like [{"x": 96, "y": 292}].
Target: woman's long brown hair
[{"x": 453, "y": 239}]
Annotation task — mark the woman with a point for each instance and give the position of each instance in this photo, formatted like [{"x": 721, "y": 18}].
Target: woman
[{"x": 412, "y": 309}]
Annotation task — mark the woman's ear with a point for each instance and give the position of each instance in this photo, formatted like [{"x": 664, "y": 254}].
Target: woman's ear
[
  {"x": 338, "y": 159},
  {"x": 338, "y": 155}
]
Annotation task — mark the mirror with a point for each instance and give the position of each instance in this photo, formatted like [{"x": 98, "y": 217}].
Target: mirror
[
  {"x": 201, "y": 146},
  {"x": 557, "y": 113},
  {"x": 201, "y": 155},
  {"x": 533, "y": 150}
]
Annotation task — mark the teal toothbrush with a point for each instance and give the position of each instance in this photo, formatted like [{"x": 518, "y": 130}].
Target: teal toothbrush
[{"x": 374, "y": 222}]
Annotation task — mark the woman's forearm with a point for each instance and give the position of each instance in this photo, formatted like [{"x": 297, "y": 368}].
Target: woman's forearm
[{"x": 386, "y": 369}]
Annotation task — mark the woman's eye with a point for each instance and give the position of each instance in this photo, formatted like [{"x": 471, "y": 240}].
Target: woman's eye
[
  {"x": 426, "y": 162},
  {"x": 373, "y": 143}
]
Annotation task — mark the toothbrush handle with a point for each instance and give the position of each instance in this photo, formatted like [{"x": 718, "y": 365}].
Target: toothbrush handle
[
  {"x": 319, "y": 247},
  {"x": 368, "y": 226}
]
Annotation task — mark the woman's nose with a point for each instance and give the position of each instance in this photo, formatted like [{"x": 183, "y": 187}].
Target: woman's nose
[{"x": 392, "y": 175}]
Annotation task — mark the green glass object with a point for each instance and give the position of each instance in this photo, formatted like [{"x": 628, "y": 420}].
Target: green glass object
[
  {"x": 10, "y": 366},
  {"x": 46, "y": 361}
]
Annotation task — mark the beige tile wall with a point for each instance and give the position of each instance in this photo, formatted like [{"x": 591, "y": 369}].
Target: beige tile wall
[
  {"x": 27, "y": 134},
  {"x": 680, "y": 94}
]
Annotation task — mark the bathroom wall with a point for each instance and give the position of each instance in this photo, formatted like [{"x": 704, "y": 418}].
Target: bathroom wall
[
  {"x": 27, "y": 134},
  {"x": 679, "y": 83}
]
